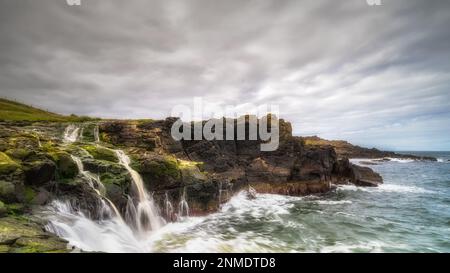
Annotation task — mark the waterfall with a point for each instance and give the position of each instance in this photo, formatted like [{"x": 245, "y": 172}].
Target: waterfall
[
  {"x": 141, "y": 209},
  {"x": 183, "y": 206},
  {"x": 80, "y": 136},
  {"x": 71, "y": 133},
  {"x": 221, "y": 191},
  {"x": 109, "y": 235},
  {"x": 96, "y": 134},
  {"x": 168, "y": 207},
  {"x": 95, "y": 183}
]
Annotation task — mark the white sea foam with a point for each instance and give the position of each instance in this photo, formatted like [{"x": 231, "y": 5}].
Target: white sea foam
[
  {"x": 401, "y": 160},
  {"x": 373, "y": 247},
  {"x": 394, "y": 188},
  {"x": 331, "y": 202}
]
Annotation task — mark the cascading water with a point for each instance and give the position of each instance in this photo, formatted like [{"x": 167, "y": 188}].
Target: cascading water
[
  {"x": 183, "y": 206},
  {"x": 71, "y": 133},
  {"x": 141, "y": 209},
  {"x": 96, "y": 134},
  {"x": 95, "y": 183},
  {"x": 168, "y": 207},
  {"x": 108, "y": 235}
]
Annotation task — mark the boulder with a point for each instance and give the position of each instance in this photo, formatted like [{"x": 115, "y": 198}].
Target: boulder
[
  {"x": 39, "y": 172},
  {"x": 7, "y": 191},
  {"x": 66, "y": 167},
  {"x": 346, "y": 172},
  {"x": 24, "y": 235},
  {"x": 364, "y": 176}
]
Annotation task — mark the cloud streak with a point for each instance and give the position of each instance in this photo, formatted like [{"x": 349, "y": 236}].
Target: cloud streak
[{"x": 375, "y": 75}]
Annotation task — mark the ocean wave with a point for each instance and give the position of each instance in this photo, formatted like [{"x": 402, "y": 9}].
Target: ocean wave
[
  {"x": 373, "y": 247},
  {"x": 331, "y": 202},
  {"x": 376, "y": 161},
  {"x": 401, "y": 160},
  {"x": 390, "y": 188},
  {"x": 402, "y": 189}
]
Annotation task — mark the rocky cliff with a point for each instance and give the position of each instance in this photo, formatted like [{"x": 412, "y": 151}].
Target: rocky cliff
[
  {"x": 38, "y": 166},
  {"x": 345, "y": 149}
]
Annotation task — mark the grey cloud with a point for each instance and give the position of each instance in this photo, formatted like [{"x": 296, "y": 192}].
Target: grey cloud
[{"x": 340, "y": 69}]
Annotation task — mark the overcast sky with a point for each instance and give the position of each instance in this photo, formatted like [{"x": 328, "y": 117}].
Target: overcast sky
[{"x": 374, "y": 75}]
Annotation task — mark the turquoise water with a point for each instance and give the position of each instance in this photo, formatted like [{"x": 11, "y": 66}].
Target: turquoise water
[{"x": 409, "y": 213}]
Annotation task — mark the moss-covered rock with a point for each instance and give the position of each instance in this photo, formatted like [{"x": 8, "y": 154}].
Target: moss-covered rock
[
  {"x": 66, "y": 167},
  {"x": 190, "y": 172},
  {"x": 3, "y": 209},
  {"x": 15, "y": 209},
  {"x": 7, "y": 165},
  {"x": 101, "y": 153},
  {"x": 19, "y": 153},
  {"x": 22, "y": 235},
  {"x": 159, "y": 166},
  {"x": 30, "y": 194},
  {"x": 39, "y": 172},
  {"x": 7, "y": 191}
]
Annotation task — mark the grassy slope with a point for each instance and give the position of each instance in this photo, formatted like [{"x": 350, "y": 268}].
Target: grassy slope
[{"x": 14, "y": 111}]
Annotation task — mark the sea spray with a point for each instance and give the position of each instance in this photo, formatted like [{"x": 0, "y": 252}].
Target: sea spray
[{"x": 141, "y": 208}]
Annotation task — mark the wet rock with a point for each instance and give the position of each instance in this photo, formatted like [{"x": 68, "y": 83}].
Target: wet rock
[
  {"x": 3, "y": 209},
  {"x": 39, "y": 172},
  {"x": 66, "y": 167},
  {"x": 7, "y": 191},
  {"x": 347, "y": 172},
  {"x": 101, "y": 153},
  {"x": 364, "y": 176},
  {"x": 22, "y": 235}
]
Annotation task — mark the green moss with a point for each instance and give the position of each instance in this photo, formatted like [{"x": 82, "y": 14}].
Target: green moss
[
  {"x": 7, "y": 165},
  {"x": 160, "y": 168},
  {"x": 21, "y": 235},
  {"x": 4, "y": 249},
  {"x": 109, "y": 179},
  {"x": 66, "y": 167},
  {"x": 15, "y": 209},
  {"x": 19, "y": 153},
  {"x": 30, "y": 194},
  {"x": 101, "y": 153},
  {"x": 7, "y": 190},
  {"x": 38, "y": 245},
  {"x": 104, "y": 137},
  {"x": 3, "y": 209}
]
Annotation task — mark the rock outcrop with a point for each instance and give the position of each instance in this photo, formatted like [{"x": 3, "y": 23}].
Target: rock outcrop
[
  {"x": 209, "y": 172},
  {"x": 37, "y": 166},
  {"x": 348, "y": 150}
]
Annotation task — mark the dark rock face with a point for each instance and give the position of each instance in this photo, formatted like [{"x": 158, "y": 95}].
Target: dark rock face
[
  {"x": 358, "y": 175},
  {"x": 208, "y": 172},
  {"x": 205, "y": 173},
  {"x": 39, "y": 172},
  {"x": 347, "y": 150}
]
